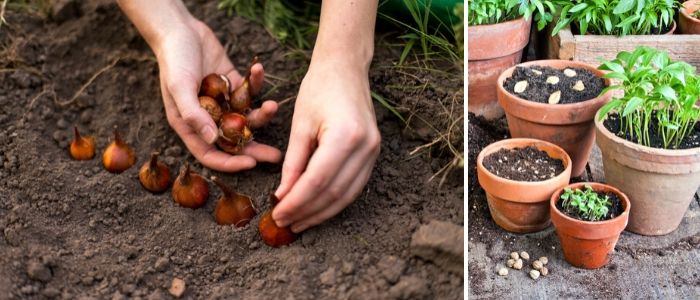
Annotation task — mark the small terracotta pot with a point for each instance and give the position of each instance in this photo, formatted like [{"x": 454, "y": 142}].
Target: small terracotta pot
[
  {"x": 689, "y": 24},
  {"x": 660, "y": 183},
  {"x": 588, "y": 244},
  {"x": 569, "y": 126},
  {"x": 521, "y": 206},
  {"x": 492, "y": 49}
]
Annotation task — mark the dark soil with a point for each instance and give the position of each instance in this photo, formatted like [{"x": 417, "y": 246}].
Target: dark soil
[
  {"x": 614, "y": 210},
  {"x": 523, "y": 164},
  {"x": 71, "y": 230},
  {"x": 612, "y": 123},
  {"x": 538, "y": 90}
]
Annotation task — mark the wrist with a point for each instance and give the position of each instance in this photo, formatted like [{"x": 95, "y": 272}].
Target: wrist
[{"x": 356, "y": 62}]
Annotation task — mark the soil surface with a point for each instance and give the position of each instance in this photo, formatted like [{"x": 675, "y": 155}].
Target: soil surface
[
  {"x": 614, "y": 210},
  {"x": 71, "y": 230},
  {"x": 641, "y": 267},
  {"x": 523, "y": 164},
  {"x": 612, "y": 123},
  {"x": 539, "y": 89}
]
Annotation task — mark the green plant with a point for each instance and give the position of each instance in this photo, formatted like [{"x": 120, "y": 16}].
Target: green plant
[
  {"x": 655, "y": 88},
  {"x": 483, "y": 12},
  {"x": 589, "y": 204},
  {"x": 617, "y": 17}
]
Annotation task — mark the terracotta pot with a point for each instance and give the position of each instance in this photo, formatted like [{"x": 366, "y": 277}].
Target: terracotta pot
[
  {"x": 492, "y": 49},
  {"x": 689, "y": 24},
  {"x": 521, "y": 206},
  {"x": 588, "y": 244},
  {"x": 660, "y": 183},
  {"x": 569, "y": 126}
]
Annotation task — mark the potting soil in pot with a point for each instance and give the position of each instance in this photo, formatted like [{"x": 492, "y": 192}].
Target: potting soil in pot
[
  {"x": 523, "y": 164},
  {"x": 538, "y": 84},
  {"x": 612, "y": 123},
  {"x": 613, "y": 211}
]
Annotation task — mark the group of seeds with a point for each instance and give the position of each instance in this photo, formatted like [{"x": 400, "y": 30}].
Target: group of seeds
[
  {"x": 516, "y": 262},
  {"x": 554, "y": 97}
]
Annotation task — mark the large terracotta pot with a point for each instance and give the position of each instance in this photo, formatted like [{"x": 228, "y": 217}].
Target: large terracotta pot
[
  {"x": 660, "y": 183},
  {"x": 689, "y": 24},
  {"x": 569, "y": 126},
  {"x": 521, "y": 206},
  {"x": 492, "y": 49},
  {"x": 587, "y": 244}
]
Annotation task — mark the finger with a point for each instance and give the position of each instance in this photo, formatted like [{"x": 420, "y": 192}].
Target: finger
[
  {"x": 262, "y": 152},
  {"x": 185, "y": 97},
  {"x": 261, "y": 116},
  {"x": 301, "y": 144},
  {"x": 257, "y": 76},
  {"x": 323, "y": 165},
  {"x": 336, "y": 206},
  {"x": 234, "y": 78}
]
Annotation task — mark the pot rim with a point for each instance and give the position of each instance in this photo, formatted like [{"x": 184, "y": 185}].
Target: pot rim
[
  {"x": 639, "y": 147},
  {"x": 531, "y": 142},
  {"x": 596, "y": 186},
  {"x": 684, "y": 11},
  {"x": 544, "y": 62},
  {"x": 519, "y": 19}
]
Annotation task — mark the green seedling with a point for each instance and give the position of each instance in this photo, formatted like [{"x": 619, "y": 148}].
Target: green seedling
[
  {"x": 483, "y": 12},
  {"x": 588, "y": 204},
  {"x": 657, "y": 87}
]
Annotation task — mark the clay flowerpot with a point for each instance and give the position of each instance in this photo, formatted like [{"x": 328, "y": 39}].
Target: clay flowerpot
[
  {"x": 492, "y": 49},
  {"x": 660, "y": 183},
  {"x": 587, "y": 244},
  {"x": 569, "y": 126},
  {"x": 521, "y": 206},
  {"x": 689, "y": 24}
]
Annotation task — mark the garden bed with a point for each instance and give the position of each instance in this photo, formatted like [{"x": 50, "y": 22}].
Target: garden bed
[{"x": 72, "y": 230}]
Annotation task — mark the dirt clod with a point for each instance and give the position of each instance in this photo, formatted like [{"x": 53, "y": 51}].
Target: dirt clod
[
  {"x": 162, "y": 264},
  {"x": 442, "y": 243},
  {"x": 410, "y": 287},
  {"x": 328, "y": 277},
  {"x": 177, "y": 287},
  {"x": 37, "y": 270},
  {"x": 392, "y": 268}
]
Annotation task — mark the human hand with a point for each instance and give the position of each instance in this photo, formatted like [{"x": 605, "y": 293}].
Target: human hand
[
  {"x": 333, "y": 145},
  {"x": 186, "y": 53}
]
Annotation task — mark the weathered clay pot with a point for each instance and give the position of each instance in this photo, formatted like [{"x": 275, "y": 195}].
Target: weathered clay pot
[
  {"x": 492, "y": 49},
  {"x": 660, "y": 183},
  {"x": 569, "y": 126},
  {"x": 587, "y": 244},
  {"x": 521, "y": 206},
  {"x": 689, "y": 24}
]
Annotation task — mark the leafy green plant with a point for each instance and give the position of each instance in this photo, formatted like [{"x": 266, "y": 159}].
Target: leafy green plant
[
  {"x": 655, "y": 89},
  {"x": 617, "y": 17},
  {"x": 696, "y": 14},
  {"x": 589, "y": 204},
  {"x": 483, "y": 12}
]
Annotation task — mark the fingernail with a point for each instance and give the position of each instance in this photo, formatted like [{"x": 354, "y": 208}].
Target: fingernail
[
  {"x": 280, "y": 221},
  {"x": 296, "y": 228},
  {"x": 208, "y": 134}
]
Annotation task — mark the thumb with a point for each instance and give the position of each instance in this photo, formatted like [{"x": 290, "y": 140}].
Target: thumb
[{"x": 185, "y": 97}]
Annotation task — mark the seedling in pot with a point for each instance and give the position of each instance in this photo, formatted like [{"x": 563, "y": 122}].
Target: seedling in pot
[
  {"x": 483, "y": 12},
  {"x": 587, "y": 203}
]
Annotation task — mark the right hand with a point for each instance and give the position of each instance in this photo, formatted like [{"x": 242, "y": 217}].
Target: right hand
[{"x": 186, "y": 53}]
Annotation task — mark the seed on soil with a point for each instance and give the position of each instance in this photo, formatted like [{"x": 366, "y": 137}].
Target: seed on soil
[
  {"x": 514, "y": 255},
  {"x": 579, "y": 86},
  {"x": 537, "y": 265},
  {"x": 543, "y": 259},
  {"x": 534, "y": 274},
  {"x": 554, "y": 97},
  {"x": 502, "y": 271},
  {"x": 510, "y": 263},
  {"x": 569, "y": 72},
  {"x": 177, "y": 287},
  {"x": 537, "y": 72},
  {"x": 520, "y": 86},
  {"x": 552, "y": 79},
  {"x": 524, "y": 254},
  {"x": 544, "y": 271},
  {"x": 518, "y": 264}
]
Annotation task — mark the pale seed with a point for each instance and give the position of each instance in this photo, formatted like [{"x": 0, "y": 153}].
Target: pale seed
[
  {"x": 579, "y": 86},
  {"x": 537, "y": 265},
  {"x": 502, "y": 271},
  {"x": 514, "y": 255},
  {"x": 552, "y": 79},
  {"x": 569, "y": 72},
  {"x": 510, "y": 263},
  {"x": 554, "y": 97},
  {"x": 543, "y": 259},
  {"x": 520, "y": 86},
  {"x": 524, "y": 254},
  {"x": 518, "y": 264},
  {"x": 537, "y": 72},
  {"x": 544, "y": 271},
  {"x": 534, "y": 274}
]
